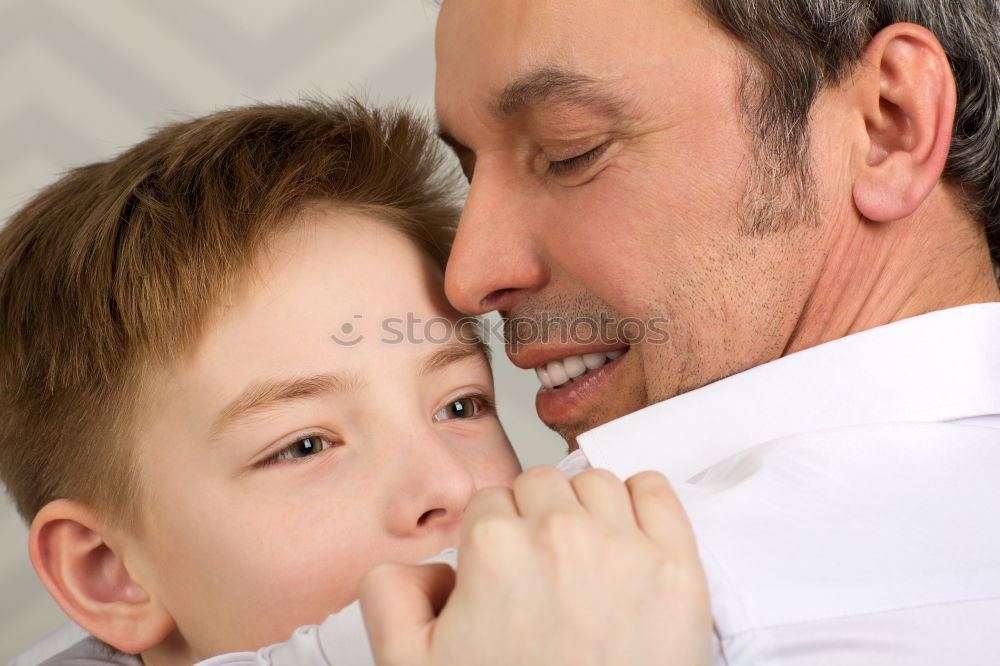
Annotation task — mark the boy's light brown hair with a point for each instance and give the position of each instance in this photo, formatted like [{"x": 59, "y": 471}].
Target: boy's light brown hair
[{"x": 113, "y": 269}]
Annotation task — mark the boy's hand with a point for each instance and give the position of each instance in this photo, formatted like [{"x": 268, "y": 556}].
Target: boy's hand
[{"x": 555, "y": 572}]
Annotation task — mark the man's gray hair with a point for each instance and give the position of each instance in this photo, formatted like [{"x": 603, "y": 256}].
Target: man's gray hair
[{"x": 801, "y": 45}]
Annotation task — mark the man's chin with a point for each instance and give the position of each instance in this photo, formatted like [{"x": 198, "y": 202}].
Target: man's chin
[
  {"x": 569, "y": 436},
  {"x": 571, "y": 430}
]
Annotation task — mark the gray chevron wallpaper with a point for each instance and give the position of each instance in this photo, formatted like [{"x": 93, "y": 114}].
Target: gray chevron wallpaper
[{"x": 82, "y": 79}]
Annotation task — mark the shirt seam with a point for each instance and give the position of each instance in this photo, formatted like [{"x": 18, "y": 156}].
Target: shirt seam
[
  {"x": 726, "y": 577},
  {"x": 780, "y": 625}
]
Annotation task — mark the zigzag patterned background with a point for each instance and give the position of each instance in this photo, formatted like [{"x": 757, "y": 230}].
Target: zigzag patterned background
[{"x": 82, "y": 79}]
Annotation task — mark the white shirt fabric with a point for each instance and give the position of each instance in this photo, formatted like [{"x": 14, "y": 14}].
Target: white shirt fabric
[
  {"x": 846, "y": 498},
  {"x": 340, "y": 640}
]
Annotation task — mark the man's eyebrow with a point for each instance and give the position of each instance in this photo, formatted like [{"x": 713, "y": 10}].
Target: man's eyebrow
[
  {"x": 268, "y": 393},
  {"x": 547, "y": 85},
  {"x": 452, "y": 352},
  {"x": 555, "y": 85}
]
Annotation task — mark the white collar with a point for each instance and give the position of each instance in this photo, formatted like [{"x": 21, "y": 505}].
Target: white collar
[{"x": 938, "y": 366}]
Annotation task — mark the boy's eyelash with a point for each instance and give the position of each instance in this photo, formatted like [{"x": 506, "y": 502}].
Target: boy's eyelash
[
  {"x": 487, "y": 403},
  {"x": 275, "y": 458},
  {"x": 576, "y": 163}
]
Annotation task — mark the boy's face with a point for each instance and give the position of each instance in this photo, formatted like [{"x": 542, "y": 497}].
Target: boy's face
[{"x": 280, "y": 464}]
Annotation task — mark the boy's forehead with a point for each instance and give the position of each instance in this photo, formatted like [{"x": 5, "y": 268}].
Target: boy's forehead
[
  {"x": 350, "y": 256},
  {"x": 337, "y": 292},
  {"x": 331, "y": 259}
]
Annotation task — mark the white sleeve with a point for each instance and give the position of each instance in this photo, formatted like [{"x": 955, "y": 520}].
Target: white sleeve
[{"x": 339, "y": 641}]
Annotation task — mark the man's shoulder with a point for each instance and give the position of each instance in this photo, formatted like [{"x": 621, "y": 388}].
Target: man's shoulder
[
  {"x": 875, "y": 450},
  {"x": 841, "y": 523}
]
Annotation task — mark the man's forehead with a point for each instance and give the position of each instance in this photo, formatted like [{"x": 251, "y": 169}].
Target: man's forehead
[
  {"x": 497, "y": 40},
  {"x": 548, "y": 26},
  {"x": 496, "y": 57}
]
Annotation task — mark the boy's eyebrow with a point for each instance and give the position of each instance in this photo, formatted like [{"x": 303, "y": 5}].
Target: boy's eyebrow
[
  {"x": 268, "y": 393},
  {"x": 452, "y": 352}
]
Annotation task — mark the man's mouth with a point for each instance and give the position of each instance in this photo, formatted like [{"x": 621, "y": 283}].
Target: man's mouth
[
  {"x": 577, "y": 391},
  {"x": 560, "y": 373}
]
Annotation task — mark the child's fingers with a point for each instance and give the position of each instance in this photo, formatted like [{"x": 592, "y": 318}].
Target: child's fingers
[
  {"x": 488, "y": 504},
  {"x": 399, "y": 604},
  {"x": 605, "y": 498},
  {"x": 543, "y": 489},
  {"x": 661, "y": 516}
]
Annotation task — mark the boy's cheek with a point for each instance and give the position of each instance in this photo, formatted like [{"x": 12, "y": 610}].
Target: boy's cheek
[
  {"x": 249, "y": 578},
  {"x": 248, "y": 563},
  {"x": 501, "y": 466},
  {"x": 486, "y": 451}
]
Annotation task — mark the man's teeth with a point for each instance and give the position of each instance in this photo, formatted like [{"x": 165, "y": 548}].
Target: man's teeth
[{"x": 557, "y": 373}]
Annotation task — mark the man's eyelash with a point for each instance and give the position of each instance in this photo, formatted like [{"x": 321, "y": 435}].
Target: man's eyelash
[{"x": 576, "y": 163}]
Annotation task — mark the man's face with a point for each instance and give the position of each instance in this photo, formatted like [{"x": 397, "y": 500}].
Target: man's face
[
  {"x": 608, "y": 173},
  {"x": 279, "y": 464}
]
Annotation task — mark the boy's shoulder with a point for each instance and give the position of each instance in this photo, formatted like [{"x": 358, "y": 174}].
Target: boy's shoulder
[{"x": 71, "y": 645}]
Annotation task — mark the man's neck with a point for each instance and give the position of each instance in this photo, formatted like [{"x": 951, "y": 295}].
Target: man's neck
[{"x": 877, "y": 273}]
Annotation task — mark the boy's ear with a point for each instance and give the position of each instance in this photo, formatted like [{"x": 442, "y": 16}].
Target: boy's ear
[
  {"x": 906, "y": 94},
  {"x": 79, "y": 562}
]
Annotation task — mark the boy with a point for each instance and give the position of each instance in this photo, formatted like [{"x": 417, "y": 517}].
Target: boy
[
  {"x": 198, "y": 415},
  {"x": 208, "y": 413}
]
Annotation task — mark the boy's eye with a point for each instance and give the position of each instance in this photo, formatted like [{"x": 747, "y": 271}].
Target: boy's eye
[
  {"x": 463, "y": 408},
  {"x": 307, "y": 446}
]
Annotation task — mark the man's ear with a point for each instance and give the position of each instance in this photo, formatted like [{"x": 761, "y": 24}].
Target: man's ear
[
  {"x": 79, "y": 560},
  {"x": 906, "y": 92}
]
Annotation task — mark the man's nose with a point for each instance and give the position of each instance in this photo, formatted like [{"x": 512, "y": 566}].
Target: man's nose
[
  {"x": 431, "y": 490},
  {"x": 495, "y": 260}
]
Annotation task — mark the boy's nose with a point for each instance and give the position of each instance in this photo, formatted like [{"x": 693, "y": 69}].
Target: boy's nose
[{"x": 432, "y": 492}]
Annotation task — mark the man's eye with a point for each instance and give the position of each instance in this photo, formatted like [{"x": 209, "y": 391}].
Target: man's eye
[
  {"x": 576, "y": 163},
  {"x": 463, "y": 408},
  {"x": 303, "y": 448}
]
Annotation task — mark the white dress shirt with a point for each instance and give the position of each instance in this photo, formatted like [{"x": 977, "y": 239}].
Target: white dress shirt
[{"x": 846, "y": 498}]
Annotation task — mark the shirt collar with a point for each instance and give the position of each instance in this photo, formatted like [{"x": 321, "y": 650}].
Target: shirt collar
[{"x": 938, "y": 366}]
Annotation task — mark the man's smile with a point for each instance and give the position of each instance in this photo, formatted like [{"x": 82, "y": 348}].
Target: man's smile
[
  {"x": 575, "y": 381},
  {"x": 560, "y": 373}
]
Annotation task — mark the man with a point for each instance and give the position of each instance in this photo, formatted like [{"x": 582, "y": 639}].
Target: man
[{"x": 807, "y": 198}]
